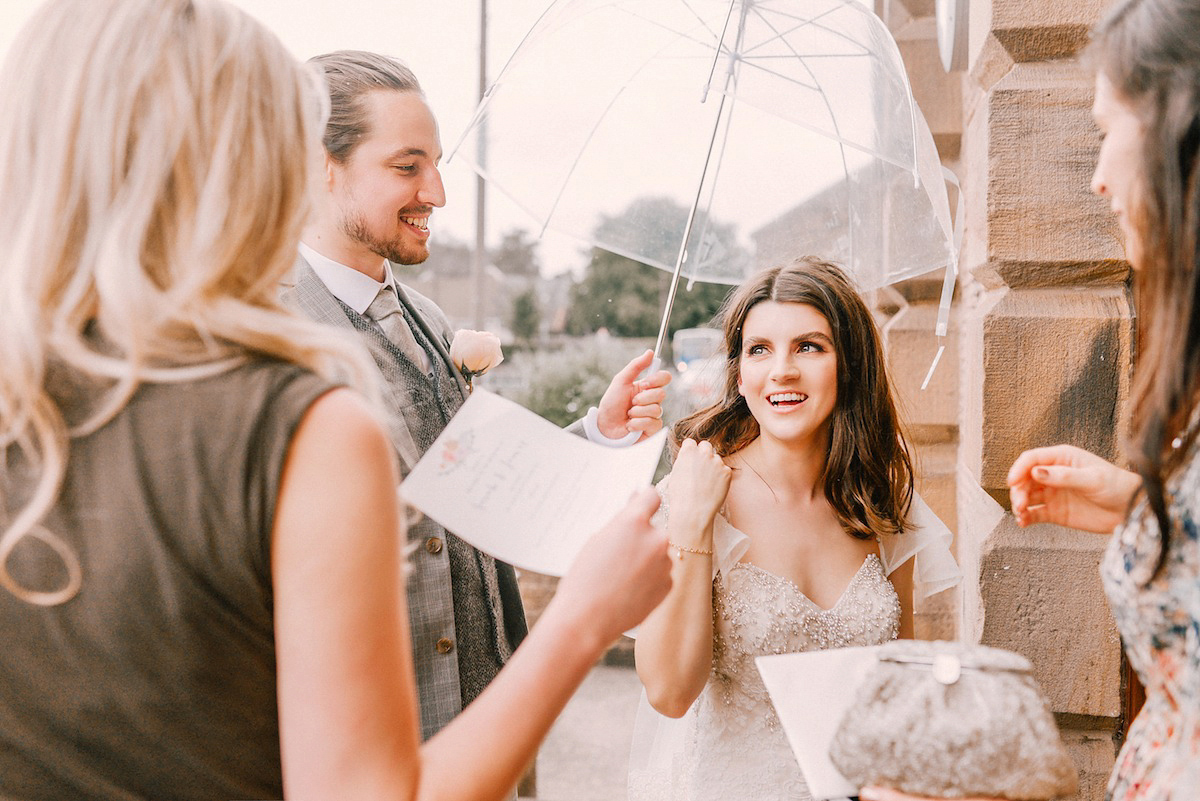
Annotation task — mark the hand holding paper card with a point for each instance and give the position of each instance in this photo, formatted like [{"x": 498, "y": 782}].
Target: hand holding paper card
[{"x": 521, "y": 489}]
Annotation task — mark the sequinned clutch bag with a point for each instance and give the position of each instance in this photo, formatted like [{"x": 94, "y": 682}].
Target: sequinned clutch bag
[{"x": 948, "y": 720}]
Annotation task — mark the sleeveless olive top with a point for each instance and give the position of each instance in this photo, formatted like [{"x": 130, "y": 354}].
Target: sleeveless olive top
[{"x": 157, "y": 681}]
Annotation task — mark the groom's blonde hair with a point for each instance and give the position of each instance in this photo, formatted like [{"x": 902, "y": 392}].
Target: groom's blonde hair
[{"x": 154, "y": 165}]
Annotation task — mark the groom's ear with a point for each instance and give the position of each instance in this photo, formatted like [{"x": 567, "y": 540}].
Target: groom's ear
[{"x": 330, "y": 168}]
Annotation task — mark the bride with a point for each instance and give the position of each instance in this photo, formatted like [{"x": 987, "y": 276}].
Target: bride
[{"x": 792, "y": 520}]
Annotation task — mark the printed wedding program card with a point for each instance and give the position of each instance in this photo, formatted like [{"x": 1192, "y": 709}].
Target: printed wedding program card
[
  {"x": 811, "y": 691},
  {"x": 520, "y": 488}
]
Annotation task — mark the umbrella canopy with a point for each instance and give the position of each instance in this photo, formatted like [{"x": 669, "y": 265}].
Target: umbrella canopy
[{"x": 717, "y": 137}]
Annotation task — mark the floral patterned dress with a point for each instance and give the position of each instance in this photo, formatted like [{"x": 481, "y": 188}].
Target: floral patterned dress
[{"x": 1159, "y": 621}]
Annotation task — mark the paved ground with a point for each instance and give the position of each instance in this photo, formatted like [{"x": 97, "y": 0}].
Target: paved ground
[{"x": 587, "y": 752}]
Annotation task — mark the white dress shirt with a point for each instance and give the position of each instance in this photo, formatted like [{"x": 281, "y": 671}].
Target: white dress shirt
[{"x": 357, "y": 290}]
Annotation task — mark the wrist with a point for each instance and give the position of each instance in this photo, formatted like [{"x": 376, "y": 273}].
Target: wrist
[
  {"x": 575, "y": 627},
  {"x": 606, "y": 434},
  {"x": 691, "y": 532},
  {"x": 681, "y": 551}
]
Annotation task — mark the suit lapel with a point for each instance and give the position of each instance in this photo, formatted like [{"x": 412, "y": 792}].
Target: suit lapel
[{"x": 312, "y": 298}]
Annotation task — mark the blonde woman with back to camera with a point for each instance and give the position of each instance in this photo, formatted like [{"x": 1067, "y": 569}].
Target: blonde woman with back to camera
[{"x": 200, "y": 543}]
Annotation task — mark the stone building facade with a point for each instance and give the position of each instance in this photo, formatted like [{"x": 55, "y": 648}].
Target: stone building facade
[{"x": 1039, "y": 353}]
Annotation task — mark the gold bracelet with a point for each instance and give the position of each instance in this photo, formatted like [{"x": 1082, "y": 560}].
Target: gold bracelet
[{"x": 679, "y": 549}]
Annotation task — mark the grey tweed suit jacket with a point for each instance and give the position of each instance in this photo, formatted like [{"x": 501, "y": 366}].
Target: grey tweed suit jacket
[{"x": 430, "y": 594}]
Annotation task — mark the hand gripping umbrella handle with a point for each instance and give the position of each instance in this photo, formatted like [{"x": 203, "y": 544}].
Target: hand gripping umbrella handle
[{"x": 634, "y": 436}]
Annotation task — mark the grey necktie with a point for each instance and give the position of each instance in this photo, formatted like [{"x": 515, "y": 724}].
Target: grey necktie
[{"x": 385, "y": 310}]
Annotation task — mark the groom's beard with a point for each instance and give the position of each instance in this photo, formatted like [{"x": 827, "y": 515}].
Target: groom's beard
[{"x": 395, "y": 249}]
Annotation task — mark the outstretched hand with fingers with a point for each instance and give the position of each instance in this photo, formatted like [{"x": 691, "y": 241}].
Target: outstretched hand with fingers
[{"x": 1071, "y": 487}]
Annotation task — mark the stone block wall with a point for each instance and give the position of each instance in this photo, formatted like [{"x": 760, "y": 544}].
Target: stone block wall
[{"x": 1041, "y": 352}]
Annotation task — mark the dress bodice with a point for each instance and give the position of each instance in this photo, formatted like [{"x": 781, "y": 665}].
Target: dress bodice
[
  {"x": 730, "y": 746},
  {"x": 1159, "y": 622},
  {"x": 738, "y": 749},
  {"x": 756, "y": 612}
]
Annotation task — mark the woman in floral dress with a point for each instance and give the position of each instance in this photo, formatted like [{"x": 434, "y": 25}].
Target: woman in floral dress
[{"x": 1148, "y": 109}]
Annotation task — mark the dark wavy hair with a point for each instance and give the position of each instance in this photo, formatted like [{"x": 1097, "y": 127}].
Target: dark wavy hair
[
  {"x": 868, "y": 476},
  {"x": 1149, "y": 50}
]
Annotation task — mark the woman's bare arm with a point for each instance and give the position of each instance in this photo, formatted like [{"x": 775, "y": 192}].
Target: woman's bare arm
[
  {"x": 348, "y": 712},
  {"x": 674, "y": 646},
  {"x": 347, "y": 704}
]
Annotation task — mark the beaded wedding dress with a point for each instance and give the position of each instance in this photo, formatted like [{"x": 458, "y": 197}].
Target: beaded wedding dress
[{"x": 730, "y": 745}]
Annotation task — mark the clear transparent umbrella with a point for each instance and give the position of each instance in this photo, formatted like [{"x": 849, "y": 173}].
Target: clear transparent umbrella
[{"x": 711, "y": 138}]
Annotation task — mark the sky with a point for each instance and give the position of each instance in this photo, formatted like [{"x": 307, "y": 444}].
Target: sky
[{"x": 439, "y": 40}]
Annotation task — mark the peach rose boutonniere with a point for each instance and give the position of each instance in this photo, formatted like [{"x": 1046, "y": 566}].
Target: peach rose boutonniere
[{"x": 475, "y": 352}]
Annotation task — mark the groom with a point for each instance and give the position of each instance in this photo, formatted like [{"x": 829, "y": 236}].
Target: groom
[{"x": 380, "y": 186}]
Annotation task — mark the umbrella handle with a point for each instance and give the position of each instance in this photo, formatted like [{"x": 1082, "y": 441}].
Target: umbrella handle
[{"x": 628, "y": 439}]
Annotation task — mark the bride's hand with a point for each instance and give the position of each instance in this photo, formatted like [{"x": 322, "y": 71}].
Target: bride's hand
[
  {"x": 1071, "y": 487},
  {"x": 699, "y": 482}
]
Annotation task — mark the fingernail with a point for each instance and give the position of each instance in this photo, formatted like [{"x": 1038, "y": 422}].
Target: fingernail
[
  {"x": 1041, "y": 473},
  {"x": 870, "y": 794}
]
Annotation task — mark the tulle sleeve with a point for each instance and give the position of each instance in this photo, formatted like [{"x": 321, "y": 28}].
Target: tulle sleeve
[
  {"x": 927, "y": 543},
  {"x": 729, "y": 544}
]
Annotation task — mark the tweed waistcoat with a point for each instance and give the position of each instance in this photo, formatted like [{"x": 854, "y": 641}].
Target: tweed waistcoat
[
  {"x": 430, "y": 590},
  {"x": 482, "y": 645}
]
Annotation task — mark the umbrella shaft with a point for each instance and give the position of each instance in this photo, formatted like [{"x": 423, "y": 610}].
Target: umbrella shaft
[{"x": 687, "y": 231}]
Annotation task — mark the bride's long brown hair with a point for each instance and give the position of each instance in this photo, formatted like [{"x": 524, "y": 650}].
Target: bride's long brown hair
[
  {"x": 868, "y": 475},
  {"x": 1150, "y": 51}
]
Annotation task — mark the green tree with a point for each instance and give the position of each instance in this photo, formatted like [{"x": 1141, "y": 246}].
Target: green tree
[
  {"x": 526, "y": 316},
  {"x": 517, "y": 254},
  {"x": 627, "y": 297}
]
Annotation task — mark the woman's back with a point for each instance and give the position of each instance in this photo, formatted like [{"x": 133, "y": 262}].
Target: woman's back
[{"x": 161, "y": 671}]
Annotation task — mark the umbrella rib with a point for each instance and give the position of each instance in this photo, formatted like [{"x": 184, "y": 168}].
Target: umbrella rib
[
  {"x": 583, "y": 148},
  {"x": 836, "y": 135},
  {"x": 700, "y": 19},
  {"x": 787, "y": 78},
  {"x": 687, "y": 229},
  {"x": 524, "y": 39},
  {"x": 681, "y": 34},
  {"x": 866, "y": 50},
  {"x": 837, "y": 130},
  {"x": 912, "y": 103},
  {"x": 713, "y": 183},
  {"x": 804, "y": 23}
]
